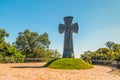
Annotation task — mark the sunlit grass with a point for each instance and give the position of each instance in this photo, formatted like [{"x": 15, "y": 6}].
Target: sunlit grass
[{"x": 68, "y": 63}]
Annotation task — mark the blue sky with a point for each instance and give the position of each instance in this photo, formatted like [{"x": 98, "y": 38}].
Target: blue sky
[{"x": 99, "y": 20}]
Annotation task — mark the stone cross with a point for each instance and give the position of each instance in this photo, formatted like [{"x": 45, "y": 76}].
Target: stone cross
[{"x": 68, "y": 28}]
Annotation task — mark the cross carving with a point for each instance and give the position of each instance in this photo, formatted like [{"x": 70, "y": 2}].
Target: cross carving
[{"x": 68, "y": 28}]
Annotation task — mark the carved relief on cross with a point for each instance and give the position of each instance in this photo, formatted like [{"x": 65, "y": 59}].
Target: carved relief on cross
[{"x": 68, "y": 28}]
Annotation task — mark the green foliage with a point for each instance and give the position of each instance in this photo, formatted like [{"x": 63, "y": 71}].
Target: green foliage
[
  {"x": 11, "y": 55},
  {"x": 87, "y": 57},
  {"x": 33, "y": 45},
  {"x": 110, "y": 44},
  {"x": 110, "y": 53},
  {"x": 8, "y": 52},
  {"x": 28, "y": 44},
  {"x": 32, "y": 40},
  {"x": 103, "y": 54},
  {"x": 68, "y": 63},
  {"x": 3, "y": 34},
  {"x": 3, "y": 44},
  {"x": 116, "y": 56},
  {"x": 50, "y": 62}
]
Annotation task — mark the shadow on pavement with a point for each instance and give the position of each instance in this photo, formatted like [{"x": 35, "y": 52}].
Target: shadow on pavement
[{"x": 27, "y": 67}]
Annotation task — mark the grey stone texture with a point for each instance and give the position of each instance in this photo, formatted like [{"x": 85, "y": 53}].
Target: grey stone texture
[{"x": 68, "y": 28}]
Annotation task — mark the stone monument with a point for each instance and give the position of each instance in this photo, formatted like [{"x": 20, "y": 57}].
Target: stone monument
[{"x": 68, "y": 28}]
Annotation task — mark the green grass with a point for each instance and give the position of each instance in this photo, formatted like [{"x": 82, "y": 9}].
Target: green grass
[{"x": 68, "y": 63}]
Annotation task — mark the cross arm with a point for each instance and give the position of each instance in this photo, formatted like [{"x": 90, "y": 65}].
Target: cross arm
[
  {"x": 74, "y": 28},
  {"x": 62, "y": 28}
]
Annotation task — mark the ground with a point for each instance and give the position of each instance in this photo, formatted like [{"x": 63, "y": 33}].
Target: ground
[{"x": 35, "y": 71}]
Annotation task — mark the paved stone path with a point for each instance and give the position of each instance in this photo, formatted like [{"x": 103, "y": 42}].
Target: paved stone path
[{"x": 35, "y": 71}]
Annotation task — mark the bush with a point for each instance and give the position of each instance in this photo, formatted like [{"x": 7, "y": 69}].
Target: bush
[{"x": 11, "y": 55}]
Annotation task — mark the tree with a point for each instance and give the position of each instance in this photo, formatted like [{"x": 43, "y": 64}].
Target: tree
[
  {"x": 110, "y": 44},
  {"x": 116, "y": 47},
  {"x": 110, "y": 53},
  {"x": 104, "y": 53},
  {"x": 3, "y": 44},
  {"x": 7, "y": 50},
  {"x": 87, "y": 56},
  {"x": 115, "y": 50},
  {"x": 3, "y": 34},
  {"x": 28, "y": 41}
]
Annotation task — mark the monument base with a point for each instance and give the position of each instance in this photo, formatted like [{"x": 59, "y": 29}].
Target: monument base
[{"x": 68, "y": 54}]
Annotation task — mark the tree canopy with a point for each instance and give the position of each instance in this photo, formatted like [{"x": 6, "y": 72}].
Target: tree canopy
[
  {"x": 112, "y": 52},
  {"x": 27, "y": 45},
  {"x": 3, "y": 34},
  {"x": 34, "y": 45}
]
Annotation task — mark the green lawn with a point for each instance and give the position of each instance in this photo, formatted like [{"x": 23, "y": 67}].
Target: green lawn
[{"x": 68, "y": 63}]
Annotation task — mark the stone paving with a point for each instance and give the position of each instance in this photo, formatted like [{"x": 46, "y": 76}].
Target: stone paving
[{"x": 35, "y": 71}]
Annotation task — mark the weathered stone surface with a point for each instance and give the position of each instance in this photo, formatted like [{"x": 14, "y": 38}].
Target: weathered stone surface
[{"x": 68, "y": 28}]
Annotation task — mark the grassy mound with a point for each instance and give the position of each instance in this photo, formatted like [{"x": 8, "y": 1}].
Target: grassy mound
[{"x": 68, "y": 63}]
